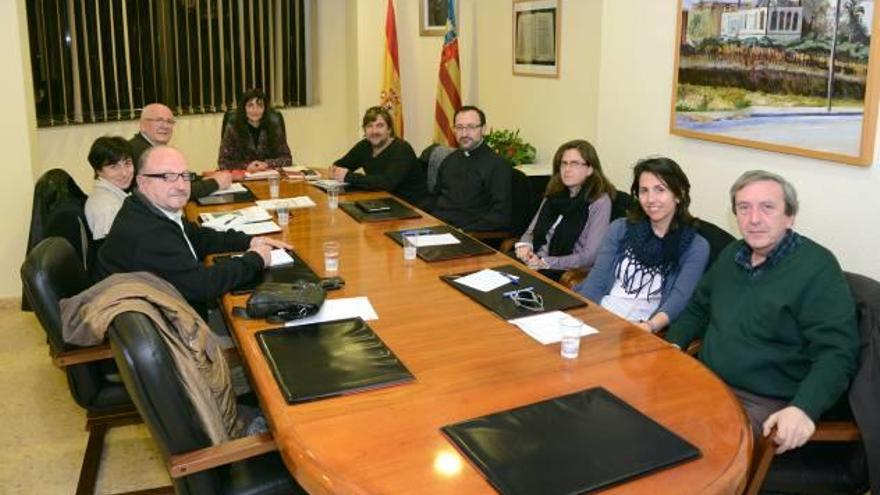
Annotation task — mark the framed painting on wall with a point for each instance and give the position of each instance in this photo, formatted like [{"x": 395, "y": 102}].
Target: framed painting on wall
[
  {"x": 536, "y": 28},
  {"x": 432, "y": 17},
  {"x": 791, "y": 76}
]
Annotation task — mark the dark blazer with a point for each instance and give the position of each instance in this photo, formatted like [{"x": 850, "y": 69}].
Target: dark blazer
[
  {"x": 144, "y": 239},
  {"x": 199, "y": 188}
]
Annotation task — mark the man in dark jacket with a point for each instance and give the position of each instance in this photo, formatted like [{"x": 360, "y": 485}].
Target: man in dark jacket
[
  {"x": 150, "y": 234},
  {"x": 156, "y": 128},
  {"x": 473, "y": 183}
]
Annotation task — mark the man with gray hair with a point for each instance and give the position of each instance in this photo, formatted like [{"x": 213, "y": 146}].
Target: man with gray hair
[
  {"x": 776, "y": 316},
  {"x": 156, "y": 127}
]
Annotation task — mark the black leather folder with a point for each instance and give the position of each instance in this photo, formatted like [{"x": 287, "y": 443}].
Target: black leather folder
[
  {"x": 572, "y": 444},
  {"x": 322, "y": 360},
  {"x": 467, "y": 247},
  {"x": 289, "y": 273},
  {"x": 395, "y": 211},
  {"x": 224, "y": 199},
  {"x": 555, "y": 299}
]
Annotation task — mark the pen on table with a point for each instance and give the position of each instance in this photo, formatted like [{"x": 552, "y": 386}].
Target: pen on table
[
  {"x": 229, "y": 220},
  {"x": 513, "y": 278},
  {"x": 416, "y": 232}
]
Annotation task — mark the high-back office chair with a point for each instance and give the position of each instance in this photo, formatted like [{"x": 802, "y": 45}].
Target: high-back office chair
[
  {"x": 843, "y": 455},
  {"x": 53, "y": 271},
  {"x": 272, "y": 115},
  {"x": 242, "y": 466},
  {"x": 59, "y": 210},
  {"x": 524, "y": 204},
  {"x": 717, "y": 238},
  {"x": 431, "y": 158}
]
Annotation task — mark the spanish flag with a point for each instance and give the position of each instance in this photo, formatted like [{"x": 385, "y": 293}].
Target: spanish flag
[
  {"x": 390, "y": 98},
  {"x": 448, "y": 84}
]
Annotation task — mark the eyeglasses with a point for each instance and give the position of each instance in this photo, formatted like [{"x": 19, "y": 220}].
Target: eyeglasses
[
  {"x": 574, "y": 164},
  {"x": 160, "y": 120},
  {"x": 172, "y": 177},
  {"x": 526, "y": 298},
  {"x": 469, "y": 127}
]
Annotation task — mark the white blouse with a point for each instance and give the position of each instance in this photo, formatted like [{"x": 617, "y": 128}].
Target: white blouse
[{"x": 102, "y": 206}]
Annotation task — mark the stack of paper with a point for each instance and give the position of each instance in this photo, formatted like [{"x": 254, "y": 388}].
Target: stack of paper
[
  {"x": 225, "y": 220},
  {"x": 295, "y": 202},
  {"x": 544, "y": 327},
  {"x": 487, "y": 280},
  {"x": 260, "y": 175},
  {"x": 234, "y": 188}
]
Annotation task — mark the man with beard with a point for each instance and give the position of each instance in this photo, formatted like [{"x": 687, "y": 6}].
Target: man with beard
[{"x": 389, "y": 163}]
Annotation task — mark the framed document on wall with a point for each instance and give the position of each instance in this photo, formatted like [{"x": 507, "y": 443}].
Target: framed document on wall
[
  {"x": 536, "y": 28},
  {"x": 432, "y": 17}
]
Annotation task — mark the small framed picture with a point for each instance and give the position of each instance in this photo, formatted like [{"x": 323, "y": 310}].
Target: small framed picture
[
  {"x": 432, "y": 17},
  {"x": 536, "y": 28}
]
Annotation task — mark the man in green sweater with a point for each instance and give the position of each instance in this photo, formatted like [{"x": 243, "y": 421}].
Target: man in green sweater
[{"x": 776, "y": 316}]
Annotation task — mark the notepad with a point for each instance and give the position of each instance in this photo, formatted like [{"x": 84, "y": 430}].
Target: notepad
[
  {"x": 293, "y": 202},
  {"x": 544, "y": 327},
  {"x": 486, "y": 280}
]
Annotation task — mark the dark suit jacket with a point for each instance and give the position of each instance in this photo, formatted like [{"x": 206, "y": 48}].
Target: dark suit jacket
[
  {"x": 199, "y": 188},
  {"x": 144, "y": 239}
]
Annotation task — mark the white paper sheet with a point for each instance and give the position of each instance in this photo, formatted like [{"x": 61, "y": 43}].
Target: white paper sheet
[
  {"x": 258, "y": 228},
  {"x": 338, "y": 309},
  {"x": 280, "y": 257},
  {"x": 265, "y": 174},
  {"x": 234, "y": 188},
  {"x": 293, "y": 202},
  {"x": 436, "y": 240},
  {"x": 485, "y": 280},
  {"x": 545, "y": 327}
]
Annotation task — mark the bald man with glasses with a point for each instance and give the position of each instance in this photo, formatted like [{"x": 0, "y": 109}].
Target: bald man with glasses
[
  {"x": 150, "y": 234},
  {"x": 156, "y": 129}
]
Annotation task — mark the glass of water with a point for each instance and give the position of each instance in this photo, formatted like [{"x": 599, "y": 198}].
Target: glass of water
[
  {"x": 570, "y": 329},
  {"x": 331, "y": 256},
  {"x": 274, "y": 186},
  {"x": 283, "y": 215},
  {"x": 410, "y": 246},
  {"x": 333, "y": 197}
]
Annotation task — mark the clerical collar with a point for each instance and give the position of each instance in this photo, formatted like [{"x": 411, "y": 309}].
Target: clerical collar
[{"x": 473, "y": 150}]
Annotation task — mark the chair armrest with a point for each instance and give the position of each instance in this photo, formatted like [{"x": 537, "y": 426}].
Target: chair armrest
[
  {"x": 571, "y": 278},
  {"x": 84, "y": 355},
  {"x": 836, "y": 431},
  {"x": 507, "y": 245},
  {"x": 694, "y": 347},
  {"x": 218, "y": 455}
]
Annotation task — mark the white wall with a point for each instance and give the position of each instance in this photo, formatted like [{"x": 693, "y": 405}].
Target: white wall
[
  {"x": 839, "y": 203},
  {"x": 16, "y": 142}
]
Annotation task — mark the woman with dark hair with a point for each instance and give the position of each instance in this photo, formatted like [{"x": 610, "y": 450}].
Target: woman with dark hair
[
  {"x": 650, "y": 262},
  {"x": 570, "y": 224},
  {"x": 254, "y": 139},
  {"x": 110, "y": 157}
]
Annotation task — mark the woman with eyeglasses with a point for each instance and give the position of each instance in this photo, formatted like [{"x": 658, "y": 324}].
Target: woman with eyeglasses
[
  {"x": 110, "y": 157},
  {"x": 573, "y": 218},
  {"x": 650, "y": 262},
  {"x": 254, "y": 139}
]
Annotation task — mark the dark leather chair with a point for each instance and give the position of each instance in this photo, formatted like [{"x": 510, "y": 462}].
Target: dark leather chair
[
  {"x": 59, "y": 210},
  {"x": 272, "y": 115},
  {"x": 52, "y": 271},
  {"x": 523, "y": 206},
  {"x": 242, "y": 466},
  {"x": 843, "y": 456},
  {"x": 717, "y": 238}
]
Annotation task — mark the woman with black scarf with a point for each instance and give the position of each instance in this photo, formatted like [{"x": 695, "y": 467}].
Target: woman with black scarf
[
  {"x": 568, "y": 229},
  {"x": 650, "y": 262}
]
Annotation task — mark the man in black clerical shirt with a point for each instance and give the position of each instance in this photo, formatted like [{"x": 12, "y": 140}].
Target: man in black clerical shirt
[
  {"x": 389, "y": 163},
  {"x": 156, "y": 128},
  {"x": 474, "y": 182}
]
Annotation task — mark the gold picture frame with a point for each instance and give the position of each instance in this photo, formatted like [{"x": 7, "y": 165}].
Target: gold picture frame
[
  {"x": 536, "y": 37},
  {"x": 432, "y": 17},
  {"x": 760, "y": 77}
]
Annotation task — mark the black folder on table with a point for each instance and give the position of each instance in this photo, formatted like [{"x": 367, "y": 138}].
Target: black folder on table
[
  {"x": 576, "y": 443},
  {"x": 467, "y": 247},
  {"x": 321, "y": 360},
  {"x": 228, "y": 198},
  {"x": 289, "y": 273},
  {"x": 555, "y": 299},
  {"x": 395, "y": 211}
]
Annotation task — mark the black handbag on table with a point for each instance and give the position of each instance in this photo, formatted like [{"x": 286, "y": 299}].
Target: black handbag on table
[{"x": 280, "y": 302}]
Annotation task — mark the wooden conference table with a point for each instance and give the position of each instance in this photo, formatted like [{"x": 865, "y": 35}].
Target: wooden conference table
[{"x": 467, "y": 363}]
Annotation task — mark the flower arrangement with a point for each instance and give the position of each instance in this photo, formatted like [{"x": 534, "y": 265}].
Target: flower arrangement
[{"x": 511, "y": 146}]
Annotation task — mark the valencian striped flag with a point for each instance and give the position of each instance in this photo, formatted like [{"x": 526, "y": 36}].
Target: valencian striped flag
[
  {"x": 390, "y": 98},
  {"x": 448, "y": 84}
]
